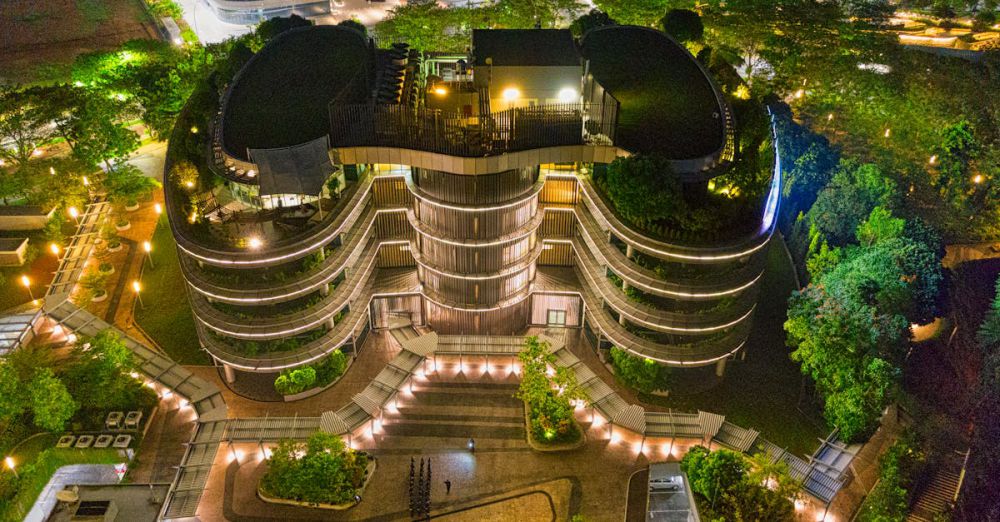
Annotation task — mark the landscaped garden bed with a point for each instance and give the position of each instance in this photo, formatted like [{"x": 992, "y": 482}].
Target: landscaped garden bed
[
  {"x": 319, "y": 473},
  {"x": 549, "y": 394},
  {"x": 309, "y": 380}
]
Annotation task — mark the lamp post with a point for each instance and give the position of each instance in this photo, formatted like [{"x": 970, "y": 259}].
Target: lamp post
[
  {"x": 149, "y": 249},
  {"x": 158, "y": 209},
  {"x": 54, "y": 248},
  {"x": 75, "y": 214},
  {"x": 9, "y": 461},
  {"x": 138, "y": 295},
  {"x": 27, "y": 284}
]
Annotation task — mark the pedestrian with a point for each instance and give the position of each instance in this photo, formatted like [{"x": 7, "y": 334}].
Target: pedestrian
[
  {"x": 472, "y": 445},
  {"x": 447, "y": 487},
  {"x": 357, "y": 499}
]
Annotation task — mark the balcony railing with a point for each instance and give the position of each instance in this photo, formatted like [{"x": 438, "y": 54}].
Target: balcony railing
[{"x": 455, "y": 134}]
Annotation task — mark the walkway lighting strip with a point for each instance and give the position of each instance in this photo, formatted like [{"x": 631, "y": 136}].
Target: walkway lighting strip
[{"x": 364, "y": 237}]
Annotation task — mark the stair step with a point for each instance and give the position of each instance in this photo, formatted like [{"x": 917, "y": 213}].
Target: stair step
[
  {"x": 422, "y": 444},
  {"x": 453, "y": 430},
  {"x": 406, "y": 416},
  {"x": 461, "y": 399}
]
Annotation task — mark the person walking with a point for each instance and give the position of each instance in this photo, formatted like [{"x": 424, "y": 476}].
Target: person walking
[
  {"x": 447, "y": 487},
  {"x": 472, "y": 445}
]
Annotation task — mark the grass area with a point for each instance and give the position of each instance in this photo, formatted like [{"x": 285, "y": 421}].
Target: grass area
[
  {"x": 36, "y": 474},
  {"x": 167, "y": 317},
  {"x": 281, "y": 98},
  {"x": 667, "y": 104},
  {"x": 39, "y": 270},
  {"x": 763, "y": 392}
]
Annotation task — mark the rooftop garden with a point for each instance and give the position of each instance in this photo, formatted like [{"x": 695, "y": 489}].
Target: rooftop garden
[
  {"x": 668, "y": 106},
  {"x": 280, "y": 98}
]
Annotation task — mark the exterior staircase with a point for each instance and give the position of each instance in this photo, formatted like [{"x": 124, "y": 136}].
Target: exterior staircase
[{"x": 938, "y": 494}]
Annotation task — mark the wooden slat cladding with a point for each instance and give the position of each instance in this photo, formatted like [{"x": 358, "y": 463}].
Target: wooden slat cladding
[
  {"x": 475, "y": 292},
  {"x": 557, "y": 224},
  {"x": 541, "y": 304},
  {"x": 386, "y": 309},
  {"x": 475, "y": 260},
  {"x": 391, "y": 191},
  {"x": 487, "y": 224},
  {"x": 559, "y": 190},
  {"x": 479, "y": 189},
  {"x": 446, "y": 321},
  {"x": 557, "y": 254},
  {"x": 390, "y": 256},
  {"x": 393, "y": 225}
]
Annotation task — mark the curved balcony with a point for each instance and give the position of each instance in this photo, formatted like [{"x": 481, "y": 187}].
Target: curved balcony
[
  {"x": 521, "y": 232},
  {"x": 341, "y": 219},
  {"x": 278, "y": 291},
  {"x": 315, "y": 315},
  {"x": 378, "y": 282},
  {"x": 691, "y": 289},
  {"x": 522, "y": 264},
  {"x": 682, "y": 323}
]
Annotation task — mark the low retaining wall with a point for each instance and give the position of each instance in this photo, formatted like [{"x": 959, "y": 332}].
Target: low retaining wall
[{"x": 369, "y": 471}]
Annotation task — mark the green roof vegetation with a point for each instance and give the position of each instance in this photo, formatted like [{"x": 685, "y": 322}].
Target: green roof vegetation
[
  {"x": 280, "y": 98},
  {"x": 668, "y": 106}
]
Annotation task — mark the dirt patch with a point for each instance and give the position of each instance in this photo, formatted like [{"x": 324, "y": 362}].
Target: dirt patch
[{"x": 40, "y": 38}]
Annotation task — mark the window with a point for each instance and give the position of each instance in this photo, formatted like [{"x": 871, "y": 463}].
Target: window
[{"x": 556, "y": 318}]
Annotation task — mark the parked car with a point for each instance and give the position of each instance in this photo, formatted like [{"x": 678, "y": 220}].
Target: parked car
[{"x": 672, "y": 483}]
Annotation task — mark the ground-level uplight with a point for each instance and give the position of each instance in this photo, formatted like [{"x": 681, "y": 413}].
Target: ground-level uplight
[
  {"x": 74, "y": 213},
  {"x": 136, "y": 287},
  {"x": 26, "y": 282},
  {"x": 933, "y": 159},
  {"x": 9, "y": 461},
  {"x": 148, "y": 248},
  {"x": 977, "y": 179},
  {"x": 888, "y": 132},
  {"x": 158, "y": 208}
]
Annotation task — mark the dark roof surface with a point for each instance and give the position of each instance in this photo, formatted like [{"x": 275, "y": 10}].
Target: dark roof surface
[
  {"x": 9, "y": 244},
  {"x": 668, "y": 104},
  {"x": 23, "y": 210},
  {"x": 280, "y": 97},
  {"x": 546, "y": 47}
]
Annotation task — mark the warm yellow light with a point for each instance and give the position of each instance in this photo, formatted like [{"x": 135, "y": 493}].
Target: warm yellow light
[
  {"x": 887, "y": 132},
  {"x": 158, "y": 208},
  {"x": 194, "y": 217},
  {"x": 9, "y": 461},
  {"x": 189, "y": 184},
  {"x": 440, "y": 91},
  {"x": 567, "y": 95},
  {"x": 25, "y": 281},
  {"x": 86, "y": 181},
  {"x": 2, "y": 162},
  {"x": 829, "y": 117},
  {"x": 54, "y": 248},
  {"x": 52, "y": 171},
  {"x": 254, "y": 243},
  {"x": 800, "y": 93},
  {"x": 135, "y": 285},
  {"x": 147, "y": 246},
  {"x": 933, "y": 159},
  {"x": 977, "y": 179},
  {"x": 73, "y": 212},
  {"x": 36, "y": 152},
  {"x": 194, "y": 130},
  {"x": 742, "y": 92},
  {"x": 511, "y": 93},
  {"x": 251, "y": 173}
]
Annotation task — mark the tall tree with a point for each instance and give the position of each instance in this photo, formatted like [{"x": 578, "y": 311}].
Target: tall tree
[
  {"x": 51, "y": 403},
  {"x": 91, "y": 123}
]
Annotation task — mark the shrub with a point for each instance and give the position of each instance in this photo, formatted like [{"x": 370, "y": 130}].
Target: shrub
[
  {"x": 645, "y": 375},
  {"x": 890, "y": 498},
  {"x": 322, "y": 469},
  {"x": 549, "y": 398},
  {"x": 295, "y": 381},
  {"x": 722, "y": 479}
]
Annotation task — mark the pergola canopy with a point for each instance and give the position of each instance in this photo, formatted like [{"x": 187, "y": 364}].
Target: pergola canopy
[{"x": 300, "y": 169}]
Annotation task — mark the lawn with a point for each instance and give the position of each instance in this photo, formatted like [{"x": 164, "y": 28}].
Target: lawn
[
  {"x": 39, "y": 271},
  {"x": 36, "y": 474},
  {"x": 281, "y": 98},
  {"x": 763, "y": 392},
  {"x": 667, "y": 103},
  {"x": 167, "y": 317}
]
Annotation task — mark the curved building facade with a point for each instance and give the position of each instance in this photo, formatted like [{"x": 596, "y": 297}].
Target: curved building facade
[{"x": 456, "y": 193}]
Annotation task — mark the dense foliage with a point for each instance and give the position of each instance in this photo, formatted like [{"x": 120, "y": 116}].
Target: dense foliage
[
  {"x": 731, "y": 487},
  {"x": 298, "y": 380},
  {"x": 549, "y": 393},
  {"x": 899, "y": 466},
  {"x": 645, "y": 375},
  {"x": 321, "y": 470}
]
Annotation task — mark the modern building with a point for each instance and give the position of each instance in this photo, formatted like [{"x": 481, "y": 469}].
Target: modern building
[{"x": 357, "y": 188}]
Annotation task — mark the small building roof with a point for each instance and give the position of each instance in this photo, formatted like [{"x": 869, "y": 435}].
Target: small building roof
[
  {"x": 10, "y": 244},
  {"x": 24, "y": 210},
  {"x": 532, "y": 47}
]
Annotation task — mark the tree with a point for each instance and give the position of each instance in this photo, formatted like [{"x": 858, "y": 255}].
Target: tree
[
  {"x": 592, "y": 20},
  {"x": 355, "y": 24},
  {"x": 989, "y": 331},
  {"x": 91, "y": 123},
  {"x": 713, "y": 472},
  {"x": 636, "y": 12},
  {"x": 51, "y": 403},
  {"x": 126, "y": 185},
  {"x": 955, "y": 154},
  {"x": 549, "y": 398},
  {"x": 849, "y": 198},
  {"x": 879, "y": 227},
  {"x": 684, "y": 25},
  {"x": 13, "y": 403},
  {"x": 24, "y": 123},
  {"x": 734, "y": 490},
  {"x": 645, "y": 375},
  {"x": 100, "y": 371},
  {"x": 534, "y": 13},
  {"x": 272, "y": 27}
]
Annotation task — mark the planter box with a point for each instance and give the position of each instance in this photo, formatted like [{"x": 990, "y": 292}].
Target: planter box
[
  {"x": 116, "y": 248},
  {"x": 98, "y": 299},
  {"x": 552, "y": 448},
  {"x": 122, "y": 228},
  {"x": 132, "y": 208},
  {"x": 319, "y": 505},
  {"x": 318, "y": 389}
]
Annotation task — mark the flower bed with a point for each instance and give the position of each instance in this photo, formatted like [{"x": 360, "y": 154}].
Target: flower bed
[{"x": 321, "y": 472}]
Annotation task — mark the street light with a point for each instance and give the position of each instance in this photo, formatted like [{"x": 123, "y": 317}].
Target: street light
[
  {"x": 510, "y": 94},
  {"x": 136, "y": 288},
  {"x": 158, "y": 209},
  {"x": 9, "y": 461},
  {"x": 54, "y": 248},
  {"x": 27, "y": 284},
  {"x": 74, "y": 213},
  {"x": 148, "y": 248}
]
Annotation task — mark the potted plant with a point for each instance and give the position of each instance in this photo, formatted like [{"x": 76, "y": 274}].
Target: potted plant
[
  {"x": 92, "y": 285},
  {"x": 122, "y": 223},
  {"x": 132, "y": 205},
  {"x": 114, "y": 244},
  {"x": 106, "y": 268}
]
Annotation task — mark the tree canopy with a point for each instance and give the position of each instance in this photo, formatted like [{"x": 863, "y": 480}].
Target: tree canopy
[{"x": 322, "y": 469}]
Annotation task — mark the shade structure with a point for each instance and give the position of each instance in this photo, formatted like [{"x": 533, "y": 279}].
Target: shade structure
[{"x": 300, "y": 169}]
